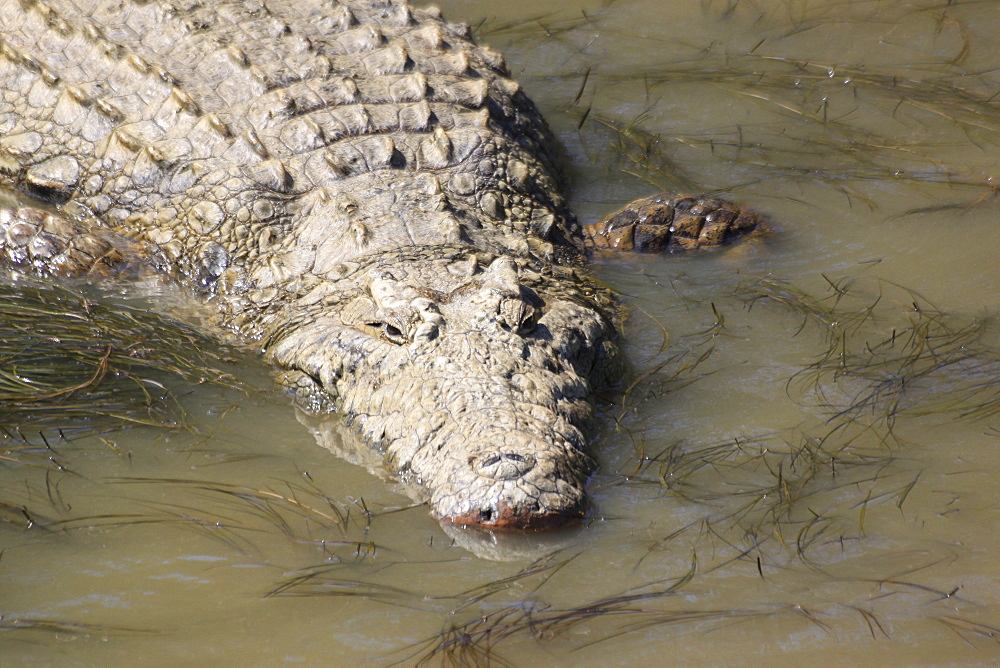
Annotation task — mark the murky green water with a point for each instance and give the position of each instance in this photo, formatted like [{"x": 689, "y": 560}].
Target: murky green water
[{"x": 805, "y": 473}]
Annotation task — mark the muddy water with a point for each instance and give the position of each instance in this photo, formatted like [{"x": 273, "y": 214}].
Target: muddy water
[{"x": 803, "y": 469}]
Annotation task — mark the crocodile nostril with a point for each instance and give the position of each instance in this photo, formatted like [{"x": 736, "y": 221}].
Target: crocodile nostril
[{"x": 503, "y": 465}]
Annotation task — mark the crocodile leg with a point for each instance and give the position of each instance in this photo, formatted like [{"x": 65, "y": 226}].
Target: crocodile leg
[
  {"x": 44, "y": 243},
  {"x": 667, "y": 222}
]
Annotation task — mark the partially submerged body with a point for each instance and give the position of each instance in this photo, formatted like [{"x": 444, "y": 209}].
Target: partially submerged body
[{"x": 361, "y": 189}]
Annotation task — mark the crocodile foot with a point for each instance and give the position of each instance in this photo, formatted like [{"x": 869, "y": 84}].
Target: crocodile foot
[{"x": 667, "y": 222}]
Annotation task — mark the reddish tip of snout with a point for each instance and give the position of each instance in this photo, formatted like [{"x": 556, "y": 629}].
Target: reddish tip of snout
[{"x": 505, "y": 518}]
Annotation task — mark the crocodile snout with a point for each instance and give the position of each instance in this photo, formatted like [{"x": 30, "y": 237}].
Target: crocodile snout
[{"x": 513, "y": 490}]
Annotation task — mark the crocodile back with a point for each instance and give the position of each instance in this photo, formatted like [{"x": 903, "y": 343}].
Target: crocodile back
[{"x": 228, "y": 135}]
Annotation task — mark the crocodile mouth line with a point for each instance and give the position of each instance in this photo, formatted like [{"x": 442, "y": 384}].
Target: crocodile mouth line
[{"x": 508, "y": 519}]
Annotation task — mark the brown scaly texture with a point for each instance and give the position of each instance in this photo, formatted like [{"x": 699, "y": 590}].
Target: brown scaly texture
[
  {"x": 361, "y": 188},
  {"x": 669, "y": 222}
]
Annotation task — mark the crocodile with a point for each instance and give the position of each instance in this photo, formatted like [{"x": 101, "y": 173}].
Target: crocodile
[{"x": 365, "y": 193}]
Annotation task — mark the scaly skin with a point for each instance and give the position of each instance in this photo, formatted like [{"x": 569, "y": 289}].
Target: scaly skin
[
  {"x": 360, "y": 188},
  {"x": 668, "y": 222}
]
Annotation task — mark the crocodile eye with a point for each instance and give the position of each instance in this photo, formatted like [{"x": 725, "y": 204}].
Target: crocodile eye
[
  {"x": 393, "y": 334},
  {"x": 389, "y": 332}
]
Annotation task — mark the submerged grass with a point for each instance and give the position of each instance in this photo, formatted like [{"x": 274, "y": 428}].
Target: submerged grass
[
  {"x": 907, "y": 357},
  {"x": 235, "y": 514},
  {"x": 474, "y": 642},
  {"x": 70, "y": 365},
  {"x": 64, "y": 629},
  {"x": 805, "y": 141},
  {"x": 888, "y": 358},
  {"x": 833, "y": 123}
]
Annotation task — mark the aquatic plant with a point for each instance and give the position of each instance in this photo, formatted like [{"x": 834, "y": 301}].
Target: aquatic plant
[{"x": 72, "y": 364}]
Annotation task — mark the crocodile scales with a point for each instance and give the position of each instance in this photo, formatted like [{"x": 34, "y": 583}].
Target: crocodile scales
[{"x": 358, "y": 186}]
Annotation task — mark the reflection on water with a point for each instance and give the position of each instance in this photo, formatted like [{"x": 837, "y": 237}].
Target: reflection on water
[{"x": 803, "y": 469}]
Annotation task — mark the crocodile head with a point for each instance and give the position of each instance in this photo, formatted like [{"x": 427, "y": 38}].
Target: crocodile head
[{"x": 473, "y": 376}]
